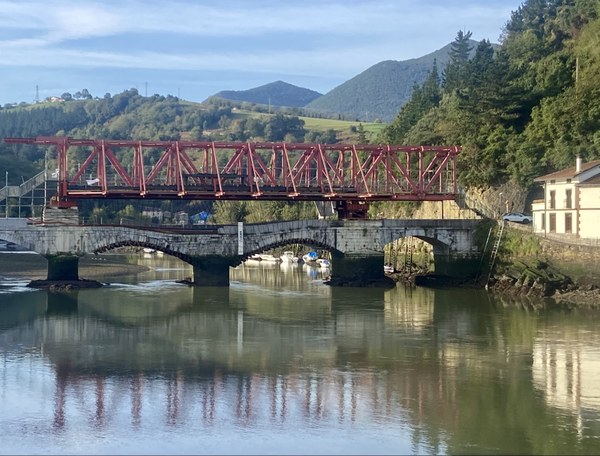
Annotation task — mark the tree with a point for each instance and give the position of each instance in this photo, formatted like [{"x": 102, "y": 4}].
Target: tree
[
  {"x": 226, "y": 212},
  {"x": 456, "y": 72},
  {"x": 279, "y": 125},
  {"x": 423, "y": 99}
]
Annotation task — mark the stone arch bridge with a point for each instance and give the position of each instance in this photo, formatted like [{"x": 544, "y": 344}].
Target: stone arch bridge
[{"x": 357, "y": 246}]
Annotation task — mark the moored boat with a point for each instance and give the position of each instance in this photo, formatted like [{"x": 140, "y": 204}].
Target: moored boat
[
  {"x": 289, "y": 257},
  {"x": 324, "y": 263},
  {"x": 269, "y": 258},
  {"x": 310, "y": 257}
]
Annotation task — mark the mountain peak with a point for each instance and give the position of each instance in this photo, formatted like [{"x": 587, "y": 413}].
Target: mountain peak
[{"x": 278, "y": 93}]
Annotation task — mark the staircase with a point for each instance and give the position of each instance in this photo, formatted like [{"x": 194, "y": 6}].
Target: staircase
[
  {"x": 17, "y": 191},
  {"x": 30, "y": 197}
]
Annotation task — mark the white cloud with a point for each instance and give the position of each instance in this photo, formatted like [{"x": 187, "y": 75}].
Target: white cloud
[
  {"x": 318, "y": 38},
  {"x": 402, "y": 30},
  {"x": 84, "y": 21},
  {"x": 68, "y": 20}
]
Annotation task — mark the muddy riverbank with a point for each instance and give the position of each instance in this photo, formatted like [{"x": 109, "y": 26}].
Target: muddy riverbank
[{"x": 34, "y": 267}]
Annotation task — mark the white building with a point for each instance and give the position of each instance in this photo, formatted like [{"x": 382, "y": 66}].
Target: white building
[{"x": 571, "y": 203}]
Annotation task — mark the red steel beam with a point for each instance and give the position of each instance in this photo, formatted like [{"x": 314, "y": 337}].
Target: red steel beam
[{"x": 244, "y": 170}]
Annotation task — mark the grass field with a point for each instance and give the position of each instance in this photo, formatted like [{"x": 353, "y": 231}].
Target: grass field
[{"x": 343, "y": 128}]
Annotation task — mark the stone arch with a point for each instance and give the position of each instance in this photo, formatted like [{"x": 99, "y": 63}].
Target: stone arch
[
  {"x": 440, "y": 248},
  {"x": 6, "y": 237},
  {"x": 129, "y": 243},
  {"x": 304, "y": 241},
  {"x": 283, "y": 243}
]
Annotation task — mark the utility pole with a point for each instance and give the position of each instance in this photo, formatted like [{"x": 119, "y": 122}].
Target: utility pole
[{"x": 45, "y": 179}]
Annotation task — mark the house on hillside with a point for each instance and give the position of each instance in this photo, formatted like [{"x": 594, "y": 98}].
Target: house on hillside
[{"x": 571, "y": 203}]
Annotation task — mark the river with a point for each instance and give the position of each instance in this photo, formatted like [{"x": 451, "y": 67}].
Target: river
[{"x": 279, "y": 363}]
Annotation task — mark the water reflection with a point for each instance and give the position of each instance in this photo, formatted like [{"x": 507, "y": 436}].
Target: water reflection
[
  {"x": 279, "y": 362},
  {"x": 566, "y": 366}
]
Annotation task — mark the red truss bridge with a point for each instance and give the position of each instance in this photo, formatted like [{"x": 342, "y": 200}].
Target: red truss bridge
[{"x": 207, "y": 170}]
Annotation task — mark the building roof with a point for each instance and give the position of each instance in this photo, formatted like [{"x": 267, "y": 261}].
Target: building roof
[
  {"x": 592, "y": 181},
  {"x": 567, "y": 173}
]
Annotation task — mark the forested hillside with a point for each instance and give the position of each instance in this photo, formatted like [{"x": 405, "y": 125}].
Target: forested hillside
[
  {"x": 380, "y": 91},
  {"x": 520, "y": 112}
]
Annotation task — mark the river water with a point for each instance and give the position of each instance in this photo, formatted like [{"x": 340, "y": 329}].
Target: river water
[{"x": 279, "y": 363}]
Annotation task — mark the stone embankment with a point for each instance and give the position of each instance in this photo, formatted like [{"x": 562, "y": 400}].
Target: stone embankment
[
  {"x": 530, "y": 277},
  {"x": 538, "y": 267}
]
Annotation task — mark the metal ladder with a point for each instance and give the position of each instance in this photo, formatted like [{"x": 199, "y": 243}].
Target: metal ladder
[
  {"x": 495, "y": 248},
  {"x": 408, "y": 255}
]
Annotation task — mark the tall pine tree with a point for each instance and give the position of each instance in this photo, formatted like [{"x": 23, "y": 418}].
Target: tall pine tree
[{"x": 456, "y": 72}]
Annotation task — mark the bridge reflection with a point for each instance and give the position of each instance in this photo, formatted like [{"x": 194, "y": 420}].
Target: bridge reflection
[{"x": 219, "y": 357}]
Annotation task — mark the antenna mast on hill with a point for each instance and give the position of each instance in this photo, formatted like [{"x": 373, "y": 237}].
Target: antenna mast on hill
[{"x": 37, "y": 94}]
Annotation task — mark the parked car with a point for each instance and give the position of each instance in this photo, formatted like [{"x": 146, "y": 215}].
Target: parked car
[{"x": 517, "y": 217}]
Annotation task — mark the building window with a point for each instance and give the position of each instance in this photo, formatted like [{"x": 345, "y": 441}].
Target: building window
[
  {"x": 568, "y": 202},
  {"x": 552, "y": 199},
  {"x": 568, "y": 223},
  {"x": 552, "y": 222}
]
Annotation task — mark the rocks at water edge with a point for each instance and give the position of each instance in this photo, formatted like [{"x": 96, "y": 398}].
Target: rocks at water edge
[{"x": 64, "y": 285}]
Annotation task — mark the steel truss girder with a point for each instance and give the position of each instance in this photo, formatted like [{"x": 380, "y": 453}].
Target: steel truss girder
[{"x": 244, "y": 170}]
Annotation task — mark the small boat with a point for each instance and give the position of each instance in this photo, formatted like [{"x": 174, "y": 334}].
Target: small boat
[
  {"x": 324, "y": 263},
  {"x": 289, "y": 257},
  {"x": 310, "y": 257},
  {"x": 264, "y": 257},
  {"x": 269, "y": 258},
  {"x": 149, "y": 250},
  {"x": 388, "y": 269}
]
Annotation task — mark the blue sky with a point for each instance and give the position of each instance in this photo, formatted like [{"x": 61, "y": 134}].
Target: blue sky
[{"x": 194, "y": 49}]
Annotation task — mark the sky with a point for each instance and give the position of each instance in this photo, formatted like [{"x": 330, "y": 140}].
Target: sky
[{"x": 194, "y": 49}]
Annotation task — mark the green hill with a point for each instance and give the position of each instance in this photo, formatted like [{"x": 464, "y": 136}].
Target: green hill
[
  {"x": 276, "y": 93},
  {"x": 380, "y": 91}
]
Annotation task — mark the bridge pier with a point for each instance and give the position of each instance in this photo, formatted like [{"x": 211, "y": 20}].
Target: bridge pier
[
  {"x": 454, "y": 264},
  {"x": 63, "y": 273},
  {"x": 358, "y": 270},
  {"x": 63, "y": 267},
  {"x": 211, "y": 271}
]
